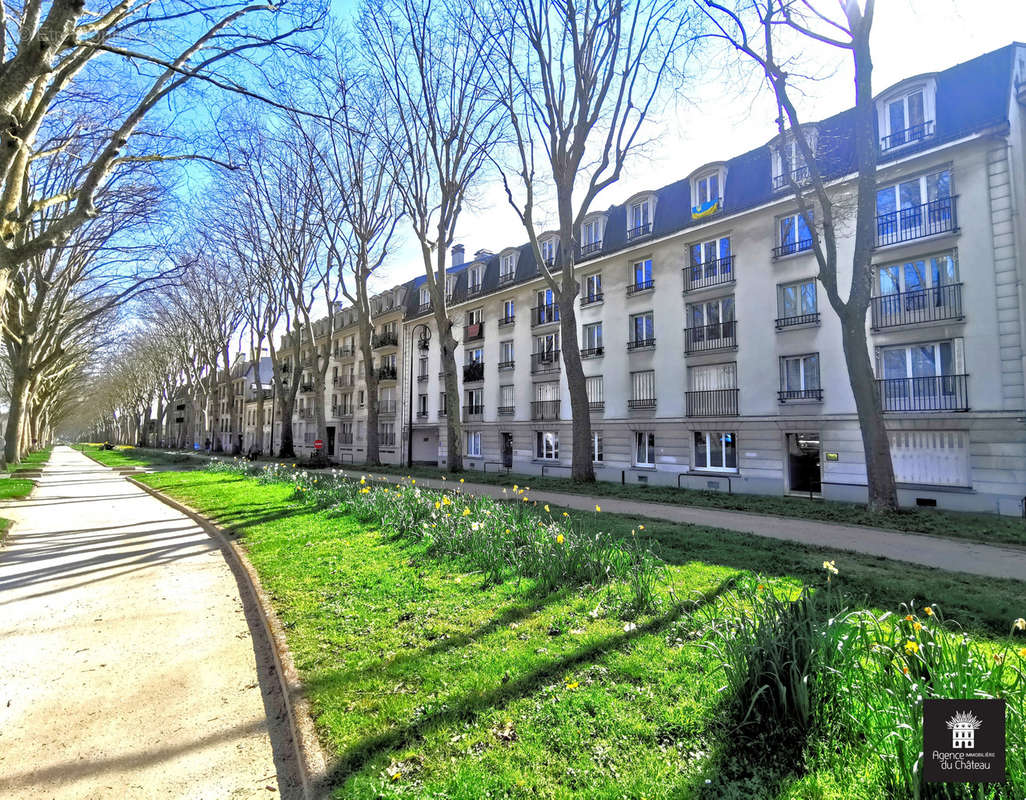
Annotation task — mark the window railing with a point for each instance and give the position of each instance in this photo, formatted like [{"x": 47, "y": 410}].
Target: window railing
[
  {"x": 345, "y": 438},
  {"x": 422, "y": 378},
  {"x": 640, "y": 230},
  {"x": 506, "y": 321},
  {"x": 914, "y": 133},
  {"x": 711, "y": 403},
  {"x": 590, "y": 248},
  {"x": 921, "y": 305},
  {"x": 474, "y": 290},
  {"x": 422, "y": 415},
  {"x": 544, "y": 314},
  {"x": 592, "y": 352},
  {"x": 423, "y": 308},
  {"x": 473, "y": 332},
  {"x": 640, "y": 344},
  {"x": 305, "y": 413},
  {"x": 345, "y": 352},
  {"x": 640, "y": 286},
  {"x": 305, "y": 388},
  {"x": 710, "y": 337},
  {"x": 709, "y": 273},
  {"x": 916, "y": 222},
  {"x": 790, "y": 248},
  {"x": 505, "y": 411},
  {"x": 386, "y": 339},
  {"x": 474, "y": 371},
  {"x": 386, "y": 373},
  {"x": 387, "y": 411},
  {"x": 642, "y": 402},
  {"x": 472, "y": 411},
  {"x": 800, "y": 394},
  {"x": 797, "y": 319},
  {"x": 800, "y": 176},
  {"x": 589, "y": 299},
  {"x": 506, "y": 278},
  {"x": 545, "y": 362},
  {"x": 596, "y": 405},
  {"x": 545, "y": 409},
  {"x": 930, "y": 393},
  {"x": 345, "y": 412},
  {"x": 505, "y": 365},
  {"x": 386, "y": 439}
]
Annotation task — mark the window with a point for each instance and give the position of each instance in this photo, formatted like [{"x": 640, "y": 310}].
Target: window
[
  {"x": 715, "y": 450},
  {"x": 592, "y": 289},
  {"x": 425, "y": 297},
  {"x": 707, "y": 188},
  {"x": 547, "y": 344},
  {"x": 596, "y": 446},
  {"x": 506, "y": 398},
  {"x": 450, "y": 286},
  {"x": 386, "y": 400},
  {"x": 388, "y": 362},
  {"x": 788, "y": 161},
  {"x": 508, "y": 311},
  {"x": 642, "y": 329},
  {"x": 796, "y": 303},
  {"x": 644, "y": 449},
  {"x": 592, "y": 339},
  {"x": 474, "y": 317},
  {"x": 474, "y": 277},
  {"x": 918, "y": 290},
  {"x": 548, "y": 251},
  {"x": 386, "y": 434},
  {"x": 422, "y": 403},
  {"x": 639, "y": 220},
  {"x": 906, "y": 117},
  {"x": 591, "y": 236},
  {"x": 914, "y": 277},
  {"x": 475, "y": 400},
  {"x": 547, "y": 445},
  {"x": 506, "y": 354},
  {"x": 422, "y": 369},
  {"x": 474, "y": 443},
  {"x": 641, "y": 276},
  {"x": 799, "y": 378},
  {"x": 507, "y": 267},
  {"x": 443, "y": 406},
  {"x": 360, "y": 398},
  {"x": 914, "y": 208},
  {"x": 547, "y": 310},
  {"x": 793, "y": 234},
  {"x": 596, "y": 393},
  {"x": 474, "y": 355},
  {"x": 925, "y": 376},
  {"x": 643, "y": 388},
  {"x": 712, "y": 318},
  {"x": 347, "y": 403}
]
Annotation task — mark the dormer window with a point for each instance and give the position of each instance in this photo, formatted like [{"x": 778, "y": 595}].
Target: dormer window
[
  {"x": 507, "y": 268},
  {"x": 425, "y": 298},
  {"x": 639, "y": 218},
  {"x": 591, "y": 236},
  {"x": 707, "y": 191},
  {"x": 548, "y": 251},
  {"x": 907, "y": 116},
  {"x": 789, "y": 163},
  {"x": 450, "y": 286},
  {"x": 475, "y": 276}
]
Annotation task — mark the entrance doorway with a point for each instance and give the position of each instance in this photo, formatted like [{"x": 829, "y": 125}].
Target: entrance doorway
[
  {"x": 507, "y": 450},
  {"x": 331, "y": 440},
  {"x": 803, "y": 466}
]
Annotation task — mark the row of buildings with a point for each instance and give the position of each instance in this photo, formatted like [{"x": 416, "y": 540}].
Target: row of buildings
[{"x": 713, "y": 357}]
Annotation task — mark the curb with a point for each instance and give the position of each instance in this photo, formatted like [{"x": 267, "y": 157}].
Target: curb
[{"x": 309, "y": 756}]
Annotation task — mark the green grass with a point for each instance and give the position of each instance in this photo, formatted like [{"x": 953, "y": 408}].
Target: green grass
[
  {"x": 990, "y": 528},
  {"x": 12, "y": 489},
  {"x": 127, "y": 456},
  {"x": 427, "y": 680},
  {"x": 31, "y": 461}
]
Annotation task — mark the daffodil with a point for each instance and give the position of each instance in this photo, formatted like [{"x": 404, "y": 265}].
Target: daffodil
[
  {"x": 911, "y": 647},
  {"x": 928, "y": 611},
  {"x": 437, "y": 505},
  {"x": 598, "y": 508},
  {"x": 1022, "y": 652},
  {"x": 363, "y": 481},
  {"x": 546, "y": 508},
  {"x": 917, "y": 626},
  {"x": 559, "y": 539},
  {"x": 365, "y": 490},
  {"x": 830, "y": 567},
  {"x": 461, "y": 480},
  {"x": 466, "y": 512},
  {"x": 1020, "y": 624},
  {"x": 908, "y": 618},
  {"x": 572, "y": 686}
]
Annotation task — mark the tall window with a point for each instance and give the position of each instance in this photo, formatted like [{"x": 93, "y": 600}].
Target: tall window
[
  {"x": 548, "y": 251},
  {"x": 475, "y": 355},
  {"x": 640, "y": 220},
  {"x": 707, "y": 188},
  {"x": 707, "y": 254},
  {"x": 712, "y": 315},
  {"x": 641, "y": 274},
  {"x": 793, "y": 235},
  {"x": 644, "y": 449},
  {"x": 422, "y": 367},
  {"x": 712, "y": 377},
  {"x": 425, "y": 296},
  {"x": 799, "y": 375},
  {"x": 788, "y": 161},
  {"x": 475, "y": 400},
  {"x": 796, "y": 300},
  {"x": 596, "y": 446},
  {"x": 591, "y": 233},
  {"x": 450, "y": 286},
  {"x": 474, "y": 277},
  {"x": 642, "y": 328},
  {"x": 592, "y": 288},
  {"x": 594, "y": 387},
  {"x": 917, "y": 275},
  {"x": 643, "y": 386},
  {"x": 507, "y": 266},
  {"x": 386, "y": 399},
  {"x": 715, "y": 450},
  {"x": 547, "y": 444},
  {"x": 592, "y": 337},
  {"x": 386, "y": 434},
  {"x": 422, "y": 403},
  {"x": 547, "y": 344},
  {"x": 506, "y": 397},
  {"x": 917, "y": 207},
  {"x": 474, "y": 443},
  {"x": 548, "y": 311},
  {"x": 505, "y": 353},
  {"x": 443, "y": 405},
  {"x": 547, "y": 392},
  {"x": 508, "y": 310},
  {"x": 908, "y": 118}
]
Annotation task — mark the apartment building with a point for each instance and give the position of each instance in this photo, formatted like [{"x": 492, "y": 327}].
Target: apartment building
[{"x": 713, "y": 357}]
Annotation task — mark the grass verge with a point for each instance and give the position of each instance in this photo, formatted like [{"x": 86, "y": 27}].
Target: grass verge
[
  {"x": 128, "y": 456},
  {"x": 429, "y": 679}
]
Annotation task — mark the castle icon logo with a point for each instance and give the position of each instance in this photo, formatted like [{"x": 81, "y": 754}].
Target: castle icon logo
[{"x": 963, "y": 726}]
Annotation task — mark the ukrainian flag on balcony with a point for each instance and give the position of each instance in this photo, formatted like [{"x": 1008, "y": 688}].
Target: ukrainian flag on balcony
[{"x": 705, "y": 209}]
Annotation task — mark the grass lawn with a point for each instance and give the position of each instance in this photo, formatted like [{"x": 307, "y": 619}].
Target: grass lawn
[
  {"x": 31, "y": 461},
  {"x": 989, "y": 528},
  {"x": 427, "y": 681},
  {"x": 127, "y": 456},
  {"x": 12, "y": 489}
]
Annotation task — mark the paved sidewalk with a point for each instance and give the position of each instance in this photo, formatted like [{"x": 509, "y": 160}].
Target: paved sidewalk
[
  {"x": 954, "y": 555},
  {"x": 128, "y": 667}
]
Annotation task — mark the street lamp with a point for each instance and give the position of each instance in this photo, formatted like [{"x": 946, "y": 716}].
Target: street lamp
[{"x": 425, "y": 338}]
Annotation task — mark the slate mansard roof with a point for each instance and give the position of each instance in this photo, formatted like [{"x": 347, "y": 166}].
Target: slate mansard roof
[{"x": 970, "y": 97}]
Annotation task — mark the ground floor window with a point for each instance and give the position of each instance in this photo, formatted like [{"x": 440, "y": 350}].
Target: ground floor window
[
  {"x": 715, "y": 450},
  {"x": 474, "y": 443},
  {"x": 644, "y": 448},
  {"x": 547, "y": 444},
  {"x": 596, "y": 446}
]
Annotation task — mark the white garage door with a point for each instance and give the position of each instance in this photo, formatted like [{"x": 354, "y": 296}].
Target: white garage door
[{"x": 933, "y": 457}]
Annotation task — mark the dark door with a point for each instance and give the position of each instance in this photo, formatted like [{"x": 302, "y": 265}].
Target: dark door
[
  {"x": 507, "y": 450},
  {"x": 331, "y": 440},
  {"x": 803, "y": 462}
]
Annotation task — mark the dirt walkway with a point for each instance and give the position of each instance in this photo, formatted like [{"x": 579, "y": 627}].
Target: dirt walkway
[{"x": 130, "y": 667}]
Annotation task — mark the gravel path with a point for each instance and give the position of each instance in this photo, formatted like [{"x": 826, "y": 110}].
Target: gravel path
[{"x": 130, "y": 667}]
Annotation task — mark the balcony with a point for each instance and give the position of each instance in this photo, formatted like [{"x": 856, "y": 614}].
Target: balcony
[
  {"x": 800, "y": 395},
  {"x": 640, "y": 286},
  {"x": 505, "y": 411},
  {"x": 711, "y": 403},
  {"x": 345, "y": 352},
  {"x": 504, "y": 321},
  {"x": 472, "y": 412},
  {"x": 473, "y": 332},
  {"x": 343, "y": 380},
  {"x": 591, "y": 299},
  {"x": 386, "y": 411},
  {"x": 473, "y": 371},
  {"x": 506, "y": 365},
  {"x": 386, "y": 439},
  {"x": 386, "y": 373},
  {"x": 474, "y": 290},
  {"x": 345, "y": 412},
  {"x": 422, "y": 415},
  {"x": 385, "y": 339},
  {"x": 919, "y": 306},
  {"x": 915, "y": 133},
  {"x": 596, "y": 406},
  {"x": 718, "y": 336},
  {"x": 641, "y": 402},
  {"x": 542, "y": 363},
  {"x": 544, "y": 314},
  {"x": 544, "y": 409},
  {"x": 423, "y": 308},
  {"x": 506, "y": 278},
  {"x": 593, "y": 352},
  {"x": 710, "y": 273},
  {"x": 639, "y": 231},
  {"x": 790, "y": 248},
  {"x": 800, "y": 176},
  {"x": 797, "y": 319},
  {"x": 591, "y": 248},
  {"x": 640, "y": 344},
  {"x": 929, "y": 393},
  {"x": 305, "y": 388},
  {"x": 917, "y": 222}
]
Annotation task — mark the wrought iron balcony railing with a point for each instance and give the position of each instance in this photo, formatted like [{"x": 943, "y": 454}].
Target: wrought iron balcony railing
[
  {"x": 797, "y": 319},
  {"x": 503, "y": 321},
  {"x": 640, "y": 286},
  {"x": 914, "y": 133},
  {"x": 917, "y": 222},
  {"x": 800, "y": 176},
  {"x": 709, "y": 273},
  {"x": 642, "y": 402},
  {"x": 800, "y": 394},
  {"x": 790, "y": 248},
  {"x": 591, "y": 248},
  {"x": 920, "y": 305},
  {"x": 473, "y": 332},
  {"x": 472, "y": 412},
  {"x": 717, "y": 336},
  {"x": 385, "y": 339},
  {"x": 506, "y": 365},
  {"x": 593, "y": 352},
  {"x": 505, "y": 410},
  {"x": 711, "y": 403},
  {"x": 386, "y": 373},
  {"x": 591, "y": 299},
  {"x": 473, "y": 371},
  {"x": 641, "y": 344},
  {"x": 545, "y": 409},
  {"x": 639, "y": 231},
  {"x": 545, "y": 362},
  {"x": 544, "y": 314},
  {"x": 506, "y": 278},
  {"x": 928, "y": 393}
]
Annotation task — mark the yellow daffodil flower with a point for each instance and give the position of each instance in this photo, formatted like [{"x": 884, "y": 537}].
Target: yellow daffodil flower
[
  {"x": 911, "y": 647},
  {"x": 559, "y": 539}
]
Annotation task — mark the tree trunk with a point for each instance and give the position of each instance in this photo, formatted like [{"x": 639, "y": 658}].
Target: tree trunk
[
  {"x": 582, "y": 466},
  {"x": 320, "y": 457},
  {"x": 16, "y": 418},
  {"x": 453, "y": 426},
  {"x": 370, "y": 379}
]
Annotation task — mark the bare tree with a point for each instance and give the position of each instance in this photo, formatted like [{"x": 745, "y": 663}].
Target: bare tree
[
  {"x": 795, "y": 26},
  {"x": 578, "y": 81},
  {"x": 444, "y": 119}
]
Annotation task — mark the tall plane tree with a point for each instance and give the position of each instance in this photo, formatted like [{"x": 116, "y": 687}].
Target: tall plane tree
[
  {"x": 578, "y": 81},
  {"x": 776, "y": 35}
]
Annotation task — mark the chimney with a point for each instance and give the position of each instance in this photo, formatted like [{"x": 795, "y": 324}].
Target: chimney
[
  {"x": 457, "y": 255},
  {"x": 481, "y": 255}
]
